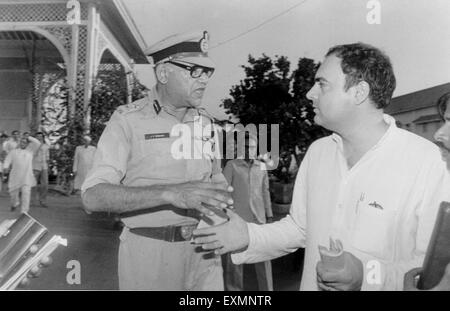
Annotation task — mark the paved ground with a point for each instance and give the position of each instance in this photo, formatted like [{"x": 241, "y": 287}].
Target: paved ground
[{"x": 93, "y": 242}]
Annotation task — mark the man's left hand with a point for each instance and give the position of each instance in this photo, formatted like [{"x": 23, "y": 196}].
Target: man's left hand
[{"x": 349, "y": 278}]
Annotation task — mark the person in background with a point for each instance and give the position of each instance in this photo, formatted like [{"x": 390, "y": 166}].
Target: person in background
[
  {"x": 82, "y": 162},
  {"x": 40, "y": 169},
  {"x": 442, "y": 135},
  {"x": 251, "y": 197},
  {"x": 442, "y": 139},
  {"x": 3, "y": 138},
  {"x": 21, "y": 178},
  {"x": 13, "y": 142}
]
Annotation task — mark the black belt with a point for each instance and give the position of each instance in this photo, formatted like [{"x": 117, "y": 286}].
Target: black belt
[
  {"x": 166, "y": 207},
  {"x": 168, "y": 233}
]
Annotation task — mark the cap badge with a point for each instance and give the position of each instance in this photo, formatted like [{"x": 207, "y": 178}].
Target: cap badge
[{"x": 204, "y": 45}]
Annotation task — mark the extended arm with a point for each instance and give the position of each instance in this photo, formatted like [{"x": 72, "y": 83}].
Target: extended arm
[
  {"x": 119, "y": 198},
  {"x": 260, "y": 242},
  {"x": 34, "y": 144}
]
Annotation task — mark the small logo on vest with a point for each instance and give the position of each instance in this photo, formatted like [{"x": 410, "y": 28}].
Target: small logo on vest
[
  {"x": 376, "y": 205},
  {"x": 156, "y": 136}
]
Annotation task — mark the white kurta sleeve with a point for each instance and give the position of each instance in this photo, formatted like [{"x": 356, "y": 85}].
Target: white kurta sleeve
[{"x": 282, "y": 237}]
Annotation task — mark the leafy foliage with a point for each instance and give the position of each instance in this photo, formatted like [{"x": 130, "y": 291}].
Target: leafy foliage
[
  {"x": 109, "y": 92},
  {"x": 271, "y": 94}
]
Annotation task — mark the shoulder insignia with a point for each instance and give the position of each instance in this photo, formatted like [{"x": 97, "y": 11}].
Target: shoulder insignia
[
  {"x": 134, "y": 106},
  {"x": 156, "y": 106}
]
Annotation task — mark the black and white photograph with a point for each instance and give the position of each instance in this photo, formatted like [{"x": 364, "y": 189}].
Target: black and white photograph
[{"x": 218, "y": 146}]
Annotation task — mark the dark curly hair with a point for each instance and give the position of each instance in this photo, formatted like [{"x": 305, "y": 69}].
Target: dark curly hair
[
  {"x": 442, "y": 103},
  {"x": 363, "y": 62}
]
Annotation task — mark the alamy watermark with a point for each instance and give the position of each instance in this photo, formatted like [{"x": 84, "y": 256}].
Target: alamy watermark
[
  {"x": 205, "y": 142},
  {"x": 74, "y": 14},
  {"x": 373, "y": 17}
]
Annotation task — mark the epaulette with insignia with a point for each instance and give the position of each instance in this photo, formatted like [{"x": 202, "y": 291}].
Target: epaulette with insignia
[
  {"x": 156, "y": 106},
  {"x": 134, "y": 106}
]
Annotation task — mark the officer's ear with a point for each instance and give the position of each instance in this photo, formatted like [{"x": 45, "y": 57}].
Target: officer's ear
[{"x": 162, "y": 73}]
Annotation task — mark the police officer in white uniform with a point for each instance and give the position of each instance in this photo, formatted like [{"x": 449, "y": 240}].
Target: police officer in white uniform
[{"x": 162, "y": 197}]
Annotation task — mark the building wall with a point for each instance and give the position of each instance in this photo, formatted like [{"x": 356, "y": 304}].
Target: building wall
[
  {"x": 15, "y": 89},
  {"x": 425, "y": 130}
]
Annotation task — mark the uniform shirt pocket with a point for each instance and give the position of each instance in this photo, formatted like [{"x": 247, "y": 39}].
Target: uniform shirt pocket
[
  {"x": 156, "y": 158},
  {"x": 374, "y": 231}
]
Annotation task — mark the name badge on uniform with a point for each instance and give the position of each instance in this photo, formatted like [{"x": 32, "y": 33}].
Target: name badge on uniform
[{"x": 156, "y": 136}]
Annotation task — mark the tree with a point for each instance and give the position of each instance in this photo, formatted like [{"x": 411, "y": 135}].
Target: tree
[
  {"x": 109, "y": 92},
  {"x": 270, "y": 94}
]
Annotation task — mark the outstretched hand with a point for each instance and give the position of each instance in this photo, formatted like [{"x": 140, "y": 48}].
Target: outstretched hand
[
  {"x": 228, "y": 237},
  {"x": 193, "y": 195}
]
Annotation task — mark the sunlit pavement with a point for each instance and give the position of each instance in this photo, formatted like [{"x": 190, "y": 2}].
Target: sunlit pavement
[{"x": 93, "y": 242}]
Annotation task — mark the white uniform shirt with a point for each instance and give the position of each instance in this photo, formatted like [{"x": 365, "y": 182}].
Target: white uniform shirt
[
  {"x": 383, "y": 209},
  {"x": 135, "y": 150}
]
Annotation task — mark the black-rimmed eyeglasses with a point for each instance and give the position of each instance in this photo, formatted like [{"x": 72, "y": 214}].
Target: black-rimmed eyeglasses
[{"x": 195, "y": 70}]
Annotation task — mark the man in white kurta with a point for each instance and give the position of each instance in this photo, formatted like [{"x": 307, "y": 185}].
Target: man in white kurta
[
  {"x": 82, "y": 162},
  {"x": 403, "y": 174},
  {"x": 373, "y": 186},
  {"x": 21, "y": 177}
]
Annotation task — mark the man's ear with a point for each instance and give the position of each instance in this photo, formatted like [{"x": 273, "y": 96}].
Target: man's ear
[
  {"x": 161, "y": 73},
  {"x": 362, "y": 91}
]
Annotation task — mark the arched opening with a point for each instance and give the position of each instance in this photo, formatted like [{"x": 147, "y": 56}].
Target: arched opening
[{"x": 30, "y": 64}]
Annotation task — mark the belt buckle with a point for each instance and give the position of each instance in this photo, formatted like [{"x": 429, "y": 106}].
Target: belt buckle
[{"x": 186, "y": 232}]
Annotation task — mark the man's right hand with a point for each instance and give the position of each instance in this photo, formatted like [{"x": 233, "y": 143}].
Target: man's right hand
[{"x": 192, "y": 195}]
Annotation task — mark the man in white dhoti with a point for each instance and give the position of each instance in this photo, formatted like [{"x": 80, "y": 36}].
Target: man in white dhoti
[
  {"x": 21, "y": 177},
  {"x": 82, "y": 162}
]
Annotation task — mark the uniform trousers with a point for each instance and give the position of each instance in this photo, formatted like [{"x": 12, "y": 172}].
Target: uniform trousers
[
  {"x": 24, "y": 201},
  {"x": 151, "y": 264}
]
